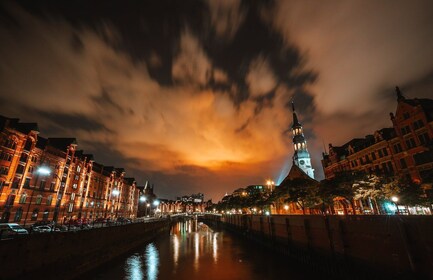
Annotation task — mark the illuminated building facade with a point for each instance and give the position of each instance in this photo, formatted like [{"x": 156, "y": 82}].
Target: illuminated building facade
[
  {"x": 404, "y": 150},
  {"x": 73, "y": 185}
]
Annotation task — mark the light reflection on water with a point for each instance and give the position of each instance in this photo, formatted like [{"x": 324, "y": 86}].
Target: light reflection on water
[{"x": 194, "y": 251}]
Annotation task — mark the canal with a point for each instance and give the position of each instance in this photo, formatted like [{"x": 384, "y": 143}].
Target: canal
[{"x": 195, "y": 251}]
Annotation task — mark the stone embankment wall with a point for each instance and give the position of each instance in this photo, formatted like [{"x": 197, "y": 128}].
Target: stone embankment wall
[
  {"x": 66, "y": 255},
  {"x": 352, "y": 247}
]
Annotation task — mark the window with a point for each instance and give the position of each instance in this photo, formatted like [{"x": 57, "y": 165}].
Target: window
[
  {"x": 406, "y": 115},
  {"x": 403, "y": 163},
  {"x": 42, "y": 185},
  {"x": 73, "y": 196},
  {"x": 390, "y": 168},
  {"x": 380, "y": 153},
  {"x": 418, "y": 124},
  {"x": 49, "y": 200},
  {"x": 74, "y": 186},
  {"x": 20, "y": 169},
  {"x": 52, "y": 186},
  {"x": 373, "y": 156},
  {"x": 27, "y": 183},
  {"x": 410, "y": 143},
  {"x": 23, "y": 198},
  {"x": 385, "y": 152},
  {"x": 397, "y": 148},
  {"x": 70, "y": 207},
  {"x": 28, "y": 145},
  {"x": 18, "y": 215},
  {"x": 4, "y": 170},
  {"x": 76, "y": 177},
  {"x": 15, "y": 183},
  {"x": 35, "y": 214},
  {"x": 38, "y": 199},
  {"x": 45, "y": 215},
  {"x": 424, "y": 138},
  {"x": 405, "y": 130},
  {"x": 78, "y": 168}
]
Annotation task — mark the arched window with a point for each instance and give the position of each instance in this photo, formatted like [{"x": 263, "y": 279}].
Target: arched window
[
  {"x": 38, "y": 199},
  {"x": 23, "y": 198},
  {"x": 49, "y": 200},
  {"x": 18, "y": 214},
  {"x": 35, "y": 214}
]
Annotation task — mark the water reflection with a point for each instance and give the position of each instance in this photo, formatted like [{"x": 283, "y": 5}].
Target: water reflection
[
  {"x": 194, "y": 251},
  {"x": 152, "y": 262}
]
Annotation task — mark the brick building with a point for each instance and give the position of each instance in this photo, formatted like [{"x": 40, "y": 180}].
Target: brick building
[
  {"x": 49, "y": 179},
  {"x": 405, "y": 149}
]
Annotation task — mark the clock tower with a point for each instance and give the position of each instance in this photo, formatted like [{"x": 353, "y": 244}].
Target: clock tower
[{"x": 301, "y": 157}]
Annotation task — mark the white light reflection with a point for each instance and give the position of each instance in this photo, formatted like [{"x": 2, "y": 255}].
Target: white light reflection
[
  {"x": 175, "y": 249},
  {"x": 196, "y": 251},
  {"x": 215, "y": 247},
  {"x": 152, "y": 262},
  {"x": 134, "y": 270}
]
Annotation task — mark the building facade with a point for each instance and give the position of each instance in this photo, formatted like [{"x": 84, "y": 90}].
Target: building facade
[
  {"x": 48, "y": 179},
  {"x": 404, "y": 150}
]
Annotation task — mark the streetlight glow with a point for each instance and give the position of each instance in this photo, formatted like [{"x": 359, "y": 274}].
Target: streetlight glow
[
  {"x": 394, "y": 199},
  {"x": 156, "y": 202},
  {"x": 43, "y": 170},
  {"x": 116, "y": 192},
  {"x": 143, "y": 198}
]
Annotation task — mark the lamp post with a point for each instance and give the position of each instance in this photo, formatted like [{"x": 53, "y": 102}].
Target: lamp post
[
  {"x": 270, "y": 184},
  {"x": 45, "y": 171},
  {"x": 395, "y": 200},
  {"x": 116, "y": 193},
  {"x": 142, "y": 200},
  {"x": 156, "y": 204}
]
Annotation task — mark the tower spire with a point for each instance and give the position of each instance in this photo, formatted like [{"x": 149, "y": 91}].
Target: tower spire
[
  {"x": 296, "y": 122},
  {"x": 301, "y": 156}
]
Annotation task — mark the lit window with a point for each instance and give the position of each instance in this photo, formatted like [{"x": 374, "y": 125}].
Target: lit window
[{"x": 38, "y": 199}]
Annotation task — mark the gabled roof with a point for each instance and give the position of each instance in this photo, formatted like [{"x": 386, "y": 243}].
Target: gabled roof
[
  {"x": 296, "y": 173},
  {"x": 426, "y": 105}
]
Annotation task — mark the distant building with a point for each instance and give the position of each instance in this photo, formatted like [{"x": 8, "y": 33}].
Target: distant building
[
  {"x": 301, "y": 156},
  {"x": 405, "y": 149}
]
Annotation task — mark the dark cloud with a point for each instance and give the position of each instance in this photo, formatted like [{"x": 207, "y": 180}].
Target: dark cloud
[{"x": 195, "y": 95}]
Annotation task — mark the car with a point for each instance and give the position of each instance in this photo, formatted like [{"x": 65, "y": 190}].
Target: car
[
  {"x": 41, "y": 229},
  {"x": 11, "y": 230}
]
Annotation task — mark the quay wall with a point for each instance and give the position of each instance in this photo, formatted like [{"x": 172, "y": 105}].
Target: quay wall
[
  {"x": 352, "y": 247},
  {"x": 66, "y": 255}
]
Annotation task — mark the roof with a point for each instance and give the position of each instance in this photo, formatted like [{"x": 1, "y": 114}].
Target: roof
[
  {"x": 296, "y": 173},
  {"x": 41, "y": 143},
  {"x": 426, "y": 105},
  {"x": 15, "y": 123},
  {"x": 61, "y": 143}
]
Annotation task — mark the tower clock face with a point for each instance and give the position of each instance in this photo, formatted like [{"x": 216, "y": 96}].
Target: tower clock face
[{"x": 301, "y": 162}]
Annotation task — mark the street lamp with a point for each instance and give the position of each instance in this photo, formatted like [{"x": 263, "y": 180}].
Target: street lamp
[
  {"x": 156, "y": 204},
  {"x": 44, "y": 171},
  {"x": 270, "y": 184},
  {"x": 116, "y": 193},
  {"x": 395, "y": 200}
]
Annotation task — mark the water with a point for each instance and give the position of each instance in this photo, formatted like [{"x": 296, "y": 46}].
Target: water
[{"x": 195, "y": 251}]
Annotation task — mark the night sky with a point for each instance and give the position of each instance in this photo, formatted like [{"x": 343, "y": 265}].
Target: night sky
[{"x": 194, "y": 95}]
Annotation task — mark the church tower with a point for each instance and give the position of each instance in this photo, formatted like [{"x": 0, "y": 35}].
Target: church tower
[{"x": 301, "y": 157}]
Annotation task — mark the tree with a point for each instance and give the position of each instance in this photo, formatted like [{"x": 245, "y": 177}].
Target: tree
[{"x": 303, "y": 192}]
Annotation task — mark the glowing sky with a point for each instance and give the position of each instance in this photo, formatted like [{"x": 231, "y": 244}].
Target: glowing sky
[{"x": 193, "y": 95}]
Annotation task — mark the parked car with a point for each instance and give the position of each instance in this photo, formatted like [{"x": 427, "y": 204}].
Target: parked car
[
  {"x": 41, "y": 229},
  {"x": 123, "y": 220},
  {"x": 10, "y": 230}
]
